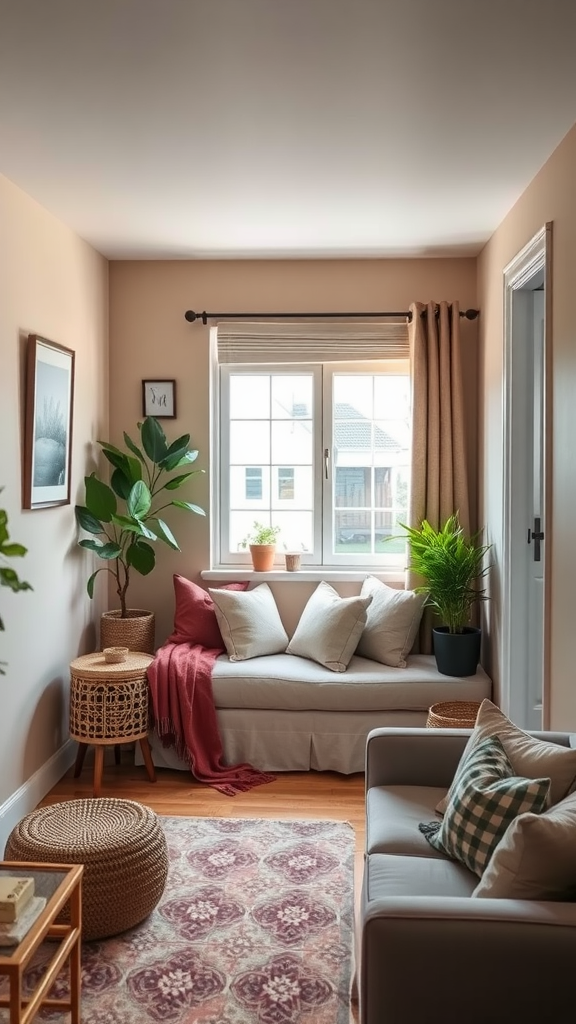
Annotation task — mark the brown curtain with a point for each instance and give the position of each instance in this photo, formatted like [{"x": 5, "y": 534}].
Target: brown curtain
[{"x": 439, "y": 481}]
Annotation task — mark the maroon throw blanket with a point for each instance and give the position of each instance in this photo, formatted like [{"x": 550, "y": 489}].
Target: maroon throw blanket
[{"x": 180, "y": 680}]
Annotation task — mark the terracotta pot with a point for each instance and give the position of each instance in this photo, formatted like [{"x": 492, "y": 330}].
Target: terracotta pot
[
  {"x": 262, "y": 556},
  {"x": 136, "y": 631}
]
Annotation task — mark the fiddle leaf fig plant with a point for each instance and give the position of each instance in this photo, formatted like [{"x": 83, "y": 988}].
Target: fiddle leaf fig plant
[
  {"x": 8, "y": 576},
  {"x": 124, "y": 515}
]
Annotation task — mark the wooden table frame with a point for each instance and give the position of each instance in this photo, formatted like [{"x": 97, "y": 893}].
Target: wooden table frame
[{"x": 67, "y": 948}]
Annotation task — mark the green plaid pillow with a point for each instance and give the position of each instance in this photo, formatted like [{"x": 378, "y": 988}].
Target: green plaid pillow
[{"x": 485, "y": 797}]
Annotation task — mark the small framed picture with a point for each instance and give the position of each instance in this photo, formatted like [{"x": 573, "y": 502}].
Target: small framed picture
[
  {"x": 49, "y": 400},
  {"x": 159, "y": 399}
]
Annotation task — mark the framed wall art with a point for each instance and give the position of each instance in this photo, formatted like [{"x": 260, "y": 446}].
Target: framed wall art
[
  {"x": 49, "y": 400},
  {"x": 159, "y": 399}
]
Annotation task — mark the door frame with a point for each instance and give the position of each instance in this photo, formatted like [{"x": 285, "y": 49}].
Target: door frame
[{"x": 533, "y": 260}]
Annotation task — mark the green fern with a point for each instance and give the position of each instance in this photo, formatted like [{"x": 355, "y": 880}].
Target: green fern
[{"x": 452, "y": 567}]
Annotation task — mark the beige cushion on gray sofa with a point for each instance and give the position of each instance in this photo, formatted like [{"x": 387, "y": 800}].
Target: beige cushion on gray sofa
[
  {"x": 392, "y": 622},
  {"x": 536, "y": 858},
  {"x": 330, "y": 627},
  {"x": 250, "y": 622},
  {"x": 530, "y": 757}
]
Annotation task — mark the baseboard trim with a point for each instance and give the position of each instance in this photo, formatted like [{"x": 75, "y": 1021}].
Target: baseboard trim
[{"x": 29, "y": 795}]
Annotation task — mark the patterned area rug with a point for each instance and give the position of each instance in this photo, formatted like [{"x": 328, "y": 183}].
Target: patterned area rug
[{"x": 255, "y": 927}]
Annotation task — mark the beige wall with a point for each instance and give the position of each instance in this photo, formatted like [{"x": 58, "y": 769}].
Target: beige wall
[
  {"x": 551, "y": 196},
  {"x": 55, "y": 285},
  {"x": 150, "y": 338}
]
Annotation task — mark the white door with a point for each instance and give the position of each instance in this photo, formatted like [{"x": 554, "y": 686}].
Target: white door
[
  {"x": 535, "y": 534},
  {"x": 524, "y": 637}
]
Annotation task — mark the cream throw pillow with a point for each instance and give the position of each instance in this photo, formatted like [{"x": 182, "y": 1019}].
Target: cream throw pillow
[
  {"x": 530, "y": 757},
  {"x": 392, "y": 622},
  {"x": 329, "y": 628},
  {"x": 535, "y": 859},
  {"x": 249, "y": 622}
]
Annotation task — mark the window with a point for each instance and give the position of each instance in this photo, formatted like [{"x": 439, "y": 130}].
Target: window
[
  {"x": 321, "y": 451},
  {"x": 253, "y": 483}
]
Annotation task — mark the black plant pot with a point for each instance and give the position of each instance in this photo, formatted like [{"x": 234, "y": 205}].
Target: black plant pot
[{"x": 457, "y": 654}]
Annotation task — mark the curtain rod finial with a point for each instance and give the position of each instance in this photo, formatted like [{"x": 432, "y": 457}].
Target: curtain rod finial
[
  {"x": 470, "y": 314},
  {"x": 191, "y": 316}
]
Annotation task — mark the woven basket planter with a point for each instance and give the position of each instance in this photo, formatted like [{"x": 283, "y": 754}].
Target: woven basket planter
[
  {"x": 136, "y": 631},
  {"x": 122, "y": 847},
  {"x": 453, "y": 714}
]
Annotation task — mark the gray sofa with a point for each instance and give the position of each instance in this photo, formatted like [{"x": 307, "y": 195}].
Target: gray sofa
[{"x": 429, "y": 951}]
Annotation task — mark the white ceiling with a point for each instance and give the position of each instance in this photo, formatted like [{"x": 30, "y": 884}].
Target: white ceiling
[{"x": 283, "y": 128}]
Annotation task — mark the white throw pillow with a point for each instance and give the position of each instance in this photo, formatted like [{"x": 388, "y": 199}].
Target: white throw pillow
[
  {"x": 249, "y": 622},
  {"x": 530, "y": 757},
  {"x": 392, "y": 623},
  {"x": 535, "y": 858},
  {"x": 330, "y": 627}
]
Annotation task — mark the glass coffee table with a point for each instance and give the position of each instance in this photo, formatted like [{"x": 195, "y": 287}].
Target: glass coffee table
[{"x": 60, "y": 884}]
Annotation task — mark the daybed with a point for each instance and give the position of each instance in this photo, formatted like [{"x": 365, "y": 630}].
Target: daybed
[
  {"x": 286, "y": 712},
  {"x": 438, "y": 942}
]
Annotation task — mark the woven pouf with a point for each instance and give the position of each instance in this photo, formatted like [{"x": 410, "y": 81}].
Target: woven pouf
[{"x": 122, "y": 847}]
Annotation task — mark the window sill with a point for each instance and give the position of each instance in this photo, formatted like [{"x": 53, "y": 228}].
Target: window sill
[{"x": 311, "y": 575}]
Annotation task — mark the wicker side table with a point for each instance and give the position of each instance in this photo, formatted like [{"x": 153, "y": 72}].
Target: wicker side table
[{"x": 108, "y": 706}]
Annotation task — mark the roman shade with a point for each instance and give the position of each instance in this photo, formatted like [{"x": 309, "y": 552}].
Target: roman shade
[{"x": 311, "y": 342}]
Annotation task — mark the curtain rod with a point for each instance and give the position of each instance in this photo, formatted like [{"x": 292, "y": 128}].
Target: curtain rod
[{"x": 191, "y": 316}]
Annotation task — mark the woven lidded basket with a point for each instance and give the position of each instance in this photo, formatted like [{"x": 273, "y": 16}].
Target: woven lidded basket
[
  {"x": 136, "y": 631},
  {"x": 121, "y": 845},
  {"x": 453, "y": 714}
]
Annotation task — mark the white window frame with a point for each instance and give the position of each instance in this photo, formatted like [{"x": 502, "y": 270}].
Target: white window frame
[{"x": 220, "y": 503}]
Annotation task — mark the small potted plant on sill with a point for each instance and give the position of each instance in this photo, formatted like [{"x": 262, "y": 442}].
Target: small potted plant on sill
[
  {"x": 262, "y": 543},
  {"x": 453, "y": 568},
  {"x": 124, "y": 519}
]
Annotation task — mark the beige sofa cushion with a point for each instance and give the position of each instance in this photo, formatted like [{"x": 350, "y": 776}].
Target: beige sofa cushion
[
  {"x": 249, "y": 622},
  {"x": 330, "y": 627},
  {"x": 536, "y": 858},
  {"x": 393, "y": 618},
  {"x": 530, "y": 757}
]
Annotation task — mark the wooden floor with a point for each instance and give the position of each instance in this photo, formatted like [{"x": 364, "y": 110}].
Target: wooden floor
[{"x": 175, "y": 793}]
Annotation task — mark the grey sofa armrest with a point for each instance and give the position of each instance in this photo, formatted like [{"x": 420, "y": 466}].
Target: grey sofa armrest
[
  {"x": 413, "y": 757},
  {"x": 474, "y": 960}
]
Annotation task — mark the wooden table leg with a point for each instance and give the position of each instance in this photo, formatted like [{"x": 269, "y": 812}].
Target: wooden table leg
[
  {"x": 82, "y": 748},
  {"x": 117, "y": 753},
  {"x": 146, "y": 754},
  {"x": 98, "y": 766},
  {"x": 75, "y": 956}
]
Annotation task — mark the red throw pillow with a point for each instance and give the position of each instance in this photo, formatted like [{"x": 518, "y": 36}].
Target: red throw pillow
[{"x": 194, "y": 616}]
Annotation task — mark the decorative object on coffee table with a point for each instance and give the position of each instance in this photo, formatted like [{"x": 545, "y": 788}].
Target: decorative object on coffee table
[
  {"x": 122, "y": 847},
  {"x": 453, "y": 714},
  {"x": 109, "y": 706}
]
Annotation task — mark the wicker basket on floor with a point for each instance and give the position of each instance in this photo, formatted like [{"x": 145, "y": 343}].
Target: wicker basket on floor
[
  {"x": 122, "y": 847},
  {"x": 453, "y": 714}
]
